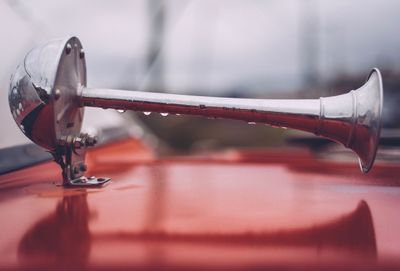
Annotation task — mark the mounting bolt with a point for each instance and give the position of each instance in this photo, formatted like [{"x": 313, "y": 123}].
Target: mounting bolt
[
  {"x": 62, "y": 141},
  {"x": 57, "y": 94},
  {"x": 82, "y": 54},
  {"x": 68, "y": 49},
  {"x": 78, "y": 143},
  {"x": 90, "y": 141}
]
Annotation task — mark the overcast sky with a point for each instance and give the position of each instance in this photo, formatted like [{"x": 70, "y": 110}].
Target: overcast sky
[{"x": 214, "y": 45}]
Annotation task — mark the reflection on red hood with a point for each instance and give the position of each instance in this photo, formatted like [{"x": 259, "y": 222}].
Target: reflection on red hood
[{"x": 198, "y": 213}]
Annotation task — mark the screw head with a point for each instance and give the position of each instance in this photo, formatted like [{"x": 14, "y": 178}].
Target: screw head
[
  {"x": 57, "y": 94},
  {"x": 68, "y": 49},
  {"x": 91, "y": 140},
  {"x": 82, "y": 54},
  {"x": 78, "y": 143}
]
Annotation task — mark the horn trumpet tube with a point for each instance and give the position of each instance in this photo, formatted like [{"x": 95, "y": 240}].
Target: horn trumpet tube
[{"x": 352, "y": 119}]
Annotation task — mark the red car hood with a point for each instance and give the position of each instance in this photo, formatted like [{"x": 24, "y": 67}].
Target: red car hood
[{"x": 237, "y": 210}]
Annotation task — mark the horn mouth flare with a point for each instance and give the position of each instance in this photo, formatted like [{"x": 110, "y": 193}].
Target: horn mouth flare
[{"x": 370, "y": 105}]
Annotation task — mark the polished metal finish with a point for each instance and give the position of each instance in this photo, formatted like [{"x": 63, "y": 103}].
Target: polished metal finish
[
  {"x": 42, "y": 93},
  {"x": 43, "y": 101},
  {"x": 352, "y": 119},
  {"x": 48, "y": 94}
]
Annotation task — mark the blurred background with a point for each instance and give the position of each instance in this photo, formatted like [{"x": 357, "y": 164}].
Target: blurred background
[{"x": 232, "y": 48}]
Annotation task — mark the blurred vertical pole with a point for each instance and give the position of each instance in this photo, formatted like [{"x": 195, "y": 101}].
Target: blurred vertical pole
[
  {"x": 154, "y": 60},
  {"x": 309, "y": 42}
]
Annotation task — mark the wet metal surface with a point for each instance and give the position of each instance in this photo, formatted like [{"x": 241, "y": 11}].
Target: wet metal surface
[{"x": 228, "y": 211}]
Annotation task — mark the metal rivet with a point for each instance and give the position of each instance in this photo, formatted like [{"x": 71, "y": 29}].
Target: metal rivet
[
  {"x": 68, "y": 49},
  {"x": 82, "y": 54},
  {"x": 57, "y": 94}
]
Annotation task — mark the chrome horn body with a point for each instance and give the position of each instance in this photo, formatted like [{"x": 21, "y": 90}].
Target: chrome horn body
[{"x": 48, "y": 94}]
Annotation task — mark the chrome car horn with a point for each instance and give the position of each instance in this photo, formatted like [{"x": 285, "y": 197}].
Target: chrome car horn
[{"x": 48, "y": 94}]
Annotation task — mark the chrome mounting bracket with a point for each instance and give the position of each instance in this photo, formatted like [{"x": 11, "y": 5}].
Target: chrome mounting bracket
[{"x": 70, "y": 155}]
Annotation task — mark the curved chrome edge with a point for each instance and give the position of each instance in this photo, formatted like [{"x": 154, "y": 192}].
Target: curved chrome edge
[
  {"x": 32, "y": 84},
  {"x": 66, "y": 89},
  {"x": 366, "y": 167}
]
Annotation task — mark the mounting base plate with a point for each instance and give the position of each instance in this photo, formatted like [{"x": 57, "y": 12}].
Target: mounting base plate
[{"x": 88, "y": 182}]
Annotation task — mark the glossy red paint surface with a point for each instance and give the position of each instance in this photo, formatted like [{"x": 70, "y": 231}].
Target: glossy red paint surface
[{"x": 269, "y": 209}]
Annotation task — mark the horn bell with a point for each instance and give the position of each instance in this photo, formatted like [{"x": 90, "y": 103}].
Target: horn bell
[
  {"x": 369, "y": 120},
  {"x": 354, "y": 119}
]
